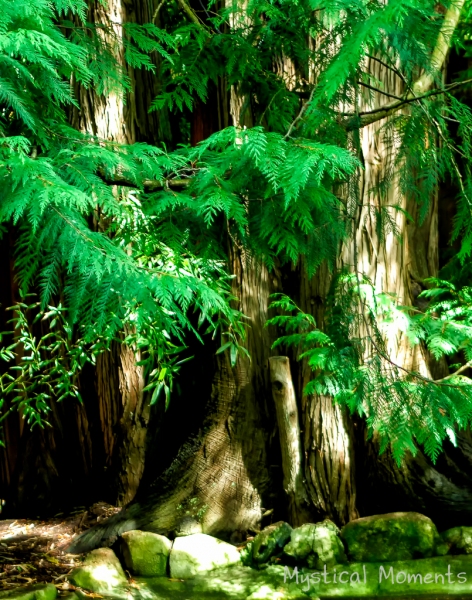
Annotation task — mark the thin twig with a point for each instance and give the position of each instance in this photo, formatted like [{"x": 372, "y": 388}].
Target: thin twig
[
  {"x": 148, "y": 184},
  {"x": 156, "y": 12},
  {"x": 458, "y": 372},
  {"x": 371, "y": 87},
  {"x": 191, "y": 14},
  {"x": 300, "y": 114}
]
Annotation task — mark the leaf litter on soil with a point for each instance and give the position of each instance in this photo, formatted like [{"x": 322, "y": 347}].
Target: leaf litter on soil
[{"x": 33, "y": 551}]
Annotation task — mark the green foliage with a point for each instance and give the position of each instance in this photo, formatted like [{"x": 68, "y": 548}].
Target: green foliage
[
  {"x": 122, "y": 260},
  {"x": 351, "y": 362},
  {"x": 124, "y": 242},
  {"x": 45, "y": 367}
]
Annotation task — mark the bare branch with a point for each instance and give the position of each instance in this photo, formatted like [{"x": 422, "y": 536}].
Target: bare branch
[
  {"x": 190, "y": 14},
  {"x": 149, "y": 185},
  {"x": 300, "y": 114},
  {"x": 156, "y": 12},
  {"x": 366, "y": 118},
  {"x": 458, "y": 372},
  {"x": 424, "y": 82}
]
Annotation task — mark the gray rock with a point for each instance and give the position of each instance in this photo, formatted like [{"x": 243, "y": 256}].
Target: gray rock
[
  {"x": 39, "y": 591},
  {"x": 193, "y": 554},
  {"x": 389, "y": 537},
  {"x": 315, "y": 545},
  {"x": 188, "y": 526},
  {"x": 144, "y": 553},
  {"x": 457, "y": 540},
  {"x": 270, "y": 541},
  {"x": 101, "y": 571}
]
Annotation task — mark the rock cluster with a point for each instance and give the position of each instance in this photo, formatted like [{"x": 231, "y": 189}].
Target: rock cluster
[
  {"x": 146, "y": 554},
  {"x": 379, "y": 538}
]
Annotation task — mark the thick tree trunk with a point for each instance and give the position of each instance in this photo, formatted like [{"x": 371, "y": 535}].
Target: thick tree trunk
[
  {"x": 328, "y": 430},
  {"x": 221, "y": 476},
  {"x": 124, "y": 412},
  {"x": 441, "y": 491}
]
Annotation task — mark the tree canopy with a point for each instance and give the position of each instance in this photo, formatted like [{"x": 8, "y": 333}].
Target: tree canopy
[{"x": 126, "y": 242}]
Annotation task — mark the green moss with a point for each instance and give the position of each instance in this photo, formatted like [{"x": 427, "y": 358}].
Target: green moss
[
  {"x": 394, "y": 536},
  {"x": 233, "y": 583},
  {"x": 363, "y": 580},
  {"x": 270, "y": 541},
  {"x": 145, "y": 554},
  {"x": 38, "y": 591},
  {"x": 457, "y": 541}
]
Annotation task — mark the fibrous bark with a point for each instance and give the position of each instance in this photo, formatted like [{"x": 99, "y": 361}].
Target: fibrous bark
[
  {"x": 221, "y": 475},
  {"x": 95, "y": 450}
]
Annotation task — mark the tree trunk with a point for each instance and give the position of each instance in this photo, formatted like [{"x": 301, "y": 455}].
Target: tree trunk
[
  {"x": 441, "y": 491},
  {"x": 95, "y": 450},
  {"x": 221, "y": 475},
  {"x": 328, "y": 430}
]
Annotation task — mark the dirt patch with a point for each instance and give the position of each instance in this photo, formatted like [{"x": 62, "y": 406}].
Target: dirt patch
[{"x": 33, "y": 551}]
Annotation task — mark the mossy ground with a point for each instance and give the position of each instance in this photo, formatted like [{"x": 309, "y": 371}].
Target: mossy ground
[{"x": 241, "y": 583}]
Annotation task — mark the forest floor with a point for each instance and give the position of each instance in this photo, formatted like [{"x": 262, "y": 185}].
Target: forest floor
[{"x": 34, "y": 551}]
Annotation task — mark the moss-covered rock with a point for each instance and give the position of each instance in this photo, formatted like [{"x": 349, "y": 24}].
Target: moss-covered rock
[
  {"x": 315, "y": 545},
  {"x": 389, "y": 537},
  {"x": 455, "y": 541},
  {"x": 270, "y": 541},
  {"x": 145, "y": 553},
  {"x": 188, "y": 526},
  {"x": 100, "y": 572},
  {"x": 40, "y": 591},
  {"x": 193, "y": 554}
]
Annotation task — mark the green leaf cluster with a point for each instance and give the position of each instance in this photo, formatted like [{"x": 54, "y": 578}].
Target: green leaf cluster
[{"x": 351, "y": 362}]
